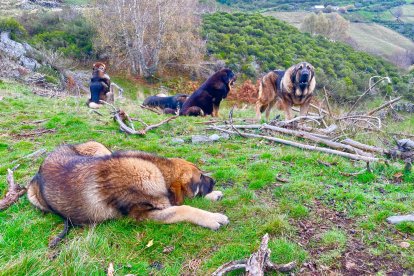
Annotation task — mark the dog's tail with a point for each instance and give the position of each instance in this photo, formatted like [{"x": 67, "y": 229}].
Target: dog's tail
[{"x": 35, "y": 196}]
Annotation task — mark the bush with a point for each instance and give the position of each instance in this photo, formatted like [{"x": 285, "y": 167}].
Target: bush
[
  {"x": 13, "y": 26},
  {"x": 67, "y": 32}
]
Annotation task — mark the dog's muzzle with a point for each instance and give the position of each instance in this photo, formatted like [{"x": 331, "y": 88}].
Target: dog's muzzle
[{"x": 304, "y": 78}]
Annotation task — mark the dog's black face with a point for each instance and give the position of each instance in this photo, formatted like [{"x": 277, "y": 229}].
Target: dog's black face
[
  {"x": 204, "y": 186},
  {"x": 303, "y": 74}
]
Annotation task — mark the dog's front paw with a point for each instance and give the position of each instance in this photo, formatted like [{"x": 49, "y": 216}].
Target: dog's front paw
[
  {"x": 214, "y": 195},
  {"x": 215, "y": 220}
]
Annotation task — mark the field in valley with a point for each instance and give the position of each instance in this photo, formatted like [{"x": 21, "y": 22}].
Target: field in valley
[{"x": 324, "y": 220}]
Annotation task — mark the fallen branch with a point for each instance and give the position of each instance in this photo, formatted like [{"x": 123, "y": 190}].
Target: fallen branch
[
  {"x": 327, "y": 102},
  {"x": 312, "y": 118},
  {"x": 383, "y": 106},
  {"x": 305, "y": 147},
  {"x": 257, "y": 264},
  {"x": 364, "y": 147},
  {"x": 14, "y": 193},
  {"x": 231, "y": 122},
  {"x": 151, "y": 109},
  {"x": 130, "y": 130}
]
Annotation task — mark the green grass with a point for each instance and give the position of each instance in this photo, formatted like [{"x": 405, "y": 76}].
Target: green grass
[{"x": 245, "y": 171}]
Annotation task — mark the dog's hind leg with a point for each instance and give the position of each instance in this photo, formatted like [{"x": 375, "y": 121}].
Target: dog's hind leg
[
  {"x": 190, "y": 214},
  {"x": 269, "y": 108}
]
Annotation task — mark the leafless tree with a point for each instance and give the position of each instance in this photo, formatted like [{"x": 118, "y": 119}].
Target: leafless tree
[{"x": 147, "y": 35}]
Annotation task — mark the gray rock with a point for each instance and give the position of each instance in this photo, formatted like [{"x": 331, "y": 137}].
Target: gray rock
[
  {"x": 198, "y": 139},
  {"x": 399, "y": 219},
  {"x": 214, "y": 137},
  {"x": 17, "y": 51},
  {"x": 225, "y": 136},
  {"x": 177, "y": 141}
]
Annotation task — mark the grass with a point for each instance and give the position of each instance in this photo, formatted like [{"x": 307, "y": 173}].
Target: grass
[{"x": 245, "y": 171}]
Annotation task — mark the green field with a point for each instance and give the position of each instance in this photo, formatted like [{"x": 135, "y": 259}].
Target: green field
[{"x": 319, "y": 218}]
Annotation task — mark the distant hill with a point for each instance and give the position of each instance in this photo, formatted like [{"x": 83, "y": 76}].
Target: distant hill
[
  {"x": 370, "y": 37},
  {"x": 253, "y": 44}
]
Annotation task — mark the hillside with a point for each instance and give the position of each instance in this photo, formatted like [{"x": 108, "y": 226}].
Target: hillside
[
  {"x": 253, "y": 43},
  {"x": 369, "y": 37}
]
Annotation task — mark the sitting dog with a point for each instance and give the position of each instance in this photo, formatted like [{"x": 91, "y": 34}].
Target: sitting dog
[
  {"x": 206, "y": 99},
  {"x": 100, "y": 86},
  {"x": 286, "y": 88},
  {"x": 86, "y": 184},
  {"x": 168, "y": 104}
]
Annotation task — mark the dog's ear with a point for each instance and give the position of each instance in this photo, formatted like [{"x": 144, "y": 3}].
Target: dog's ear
[{"x": 293, "y": 75}]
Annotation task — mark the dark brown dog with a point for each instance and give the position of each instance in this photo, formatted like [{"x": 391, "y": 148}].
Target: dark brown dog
[
  {"x": 100, "y": 86},
  {"x": 206, "y": 99},
  {"x": 286, "y": 88},
  {"x": 86, "y": 184}
]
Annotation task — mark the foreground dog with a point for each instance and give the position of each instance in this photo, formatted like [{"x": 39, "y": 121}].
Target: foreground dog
[
  {"x": 206, "y": 99},
  {"x": 166, "y": 103},
  {"x": 286, "y": 88},
  {"x": 86, "y": 184}
]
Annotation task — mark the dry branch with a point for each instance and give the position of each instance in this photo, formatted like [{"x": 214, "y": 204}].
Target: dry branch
[
  {"x": 364, "y": 147},
  {"x": 14, "y": 193},
  {"x": 383, "y": 106},
  {"x": 130, "y": 130},
  {"x": 257, "y": 264},
  {"x": 151, "y": 109},
  {"x": 305, "y": 147}
]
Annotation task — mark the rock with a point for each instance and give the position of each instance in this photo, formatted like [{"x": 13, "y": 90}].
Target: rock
[
  {"x": 399, "y": 219},
  {"x": 225, "y": 136},
  {"x": 17, "y": 51},
  {"x": 404, "y": 244},
  {"x": 214, "y": 137},
  {"x": 177, "y": 141},
  {"x": 197, "y": 139}
]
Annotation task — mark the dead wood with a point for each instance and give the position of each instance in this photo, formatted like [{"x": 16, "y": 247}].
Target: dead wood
[
  {"x": 364, "y": 147},
  {"x": 132, "y": 131},
  {"x": 231, "y": 122},
  {"x": 151, "y": 109},
  {"x": 369, "y": 113},
  {"x": 67, "y": 225},
  {"x": 257, "y": 264},
  {"x": 305, "y": 147},
  {"x": 14, "y": 192},
  {"x": 327, "y": 102}
]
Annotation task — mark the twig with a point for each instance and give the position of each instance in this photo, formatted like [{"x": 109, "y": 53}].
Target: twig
[
  {"x": 312, "y": 118},
  {"x": 327, "y": 102},
  {"x": 151, "y": 109},
  {"x": 15, "y": 190},
  {"x": 369, "y": 113},
  {"x": 144, "y": 131},
  {"x": 61, "y": 235},
  {"x": 363, "y": 94},
  {"x": 305, "y": 147},
  {"x": 257, "y": 264},
  {"x": 231, "y": 122}
]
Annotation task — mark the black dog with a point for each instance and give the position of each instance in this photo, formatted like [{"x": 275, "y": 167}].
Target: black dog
[
  {"x": 206, "y": 99},
  {"x": 166, "y": 103}
]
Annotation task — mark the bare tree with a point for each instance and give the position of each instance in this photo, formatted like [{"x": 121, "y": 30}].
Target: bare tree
[
  {"x": 146, "y": 35},
  {"x": 332, "y": 26},
  {"x": 397, "y": 13}
]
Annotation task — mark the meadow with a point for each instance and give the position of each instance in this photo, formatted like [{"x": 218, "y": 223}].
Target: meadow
[{"x": 321, "y": 218}]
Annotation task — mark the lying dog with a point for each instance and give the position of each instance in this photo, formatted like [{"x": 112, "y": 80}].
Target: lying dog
[
  {"x": 206, "y": 99},
  {"x": 286, "y": 88},
  {"x": 166, "y": 103},
  {"x": 87, "y": 184}
]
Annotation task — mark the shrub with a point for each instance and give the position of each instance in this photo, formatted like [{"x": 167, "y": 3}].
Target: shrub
[{"x": 13, "y": 26}]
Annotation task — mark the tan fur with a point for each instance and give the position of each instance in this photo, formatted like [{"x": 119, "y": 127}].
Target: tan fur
[
  {"x": 86, "y": 183},
  {"x": 270, "y": 92}
]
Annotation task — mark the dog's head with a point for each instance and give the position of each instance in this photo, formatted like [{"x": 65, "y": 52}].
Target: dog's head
[
  {"x": 181, "y": 98},
  {"x": 190, "y": 181},
  {"x": 302, "y": 74},
  {"x": 99, "y": 66},
  {"x": 229, "y": 78}
]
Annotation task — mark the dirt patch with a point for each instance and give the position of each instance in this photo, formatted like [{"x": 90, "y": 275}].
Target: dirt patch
[{"x": 356, "y": 258}]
